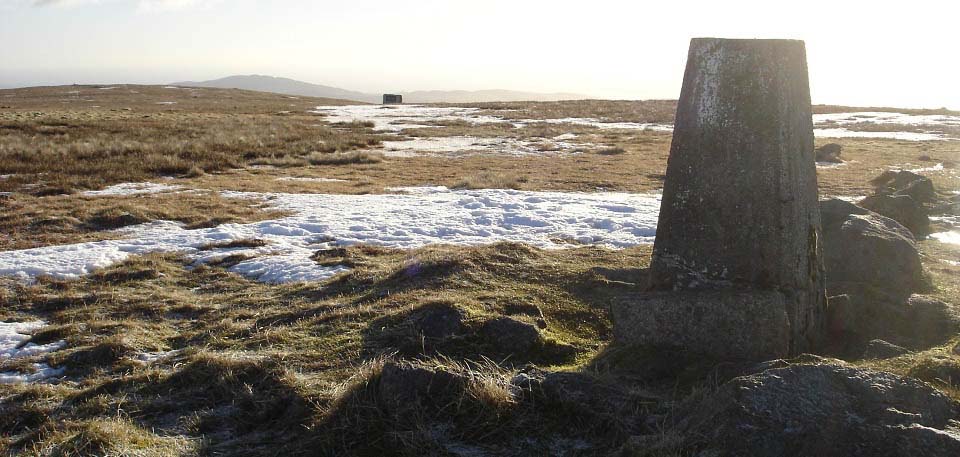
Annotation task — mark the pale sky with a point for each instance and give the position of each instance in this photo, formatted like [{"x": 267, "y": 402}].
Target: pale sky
[{"x": 899, "y": 53}]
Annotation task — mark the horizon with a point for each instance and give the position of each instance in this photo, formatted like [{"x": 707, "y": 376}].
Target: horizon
[{"x": 601, "y": 52}]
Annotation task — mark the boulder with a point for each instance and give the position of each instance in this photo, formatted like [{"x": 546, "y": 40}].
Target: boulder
[
  {"x": 879, "y": 349},
  {"x": 829, "y": 153},
  {"x": 510, "y": 335},
  {"x": 823, "y": 408},
  {"x": 577, "y": 391},
  {"x": 903, "y": 182},
  {"x": 866, "y": 248},
  {"x": 917, "y": 322},
  {"x": 901, "y": 208},
  {"x": 438, "y": 321},
  {"x": 941, "y": 369},
  {"x": 404, "y": 385},
  {"x": 956, "y": 349}
]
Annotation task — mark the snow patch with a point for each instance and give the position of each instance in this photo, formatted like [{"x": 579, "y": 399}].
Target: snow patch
[
  {"x": 904, "y": 136},
  {"x": 13, "y": 335},
  {"x": 398, "y": 117},
  {"x": 463, "y": 145},
  {"x": 832, "y": 125},
  {"x": 309, "y": 179},
  {"x": 876, "y": 117},
  {"x": 132, "y": 189},
  {"x": 937, "y": 167},
  {"x": 600, "y": 124},
  {"x": 952, "y": 237},
  {"x": 414, "y": 218},
  {"x": 829, "y": 165}
]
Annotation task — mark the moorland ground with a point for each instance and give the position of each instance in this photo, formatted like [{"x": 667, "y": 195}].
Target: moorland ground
[{"x": 290, "y": 369}]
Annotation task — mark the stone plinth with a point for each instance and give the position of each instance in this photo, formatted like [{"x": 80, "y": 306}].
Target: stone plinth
[
  {"x": 729, "y": 324},
  {"x": 739, "y": 209}
]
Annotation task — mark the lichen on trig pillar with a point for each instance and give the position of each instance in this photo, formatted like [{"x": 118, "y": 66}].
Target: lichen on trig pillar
[{"x": 737, "y": 269}]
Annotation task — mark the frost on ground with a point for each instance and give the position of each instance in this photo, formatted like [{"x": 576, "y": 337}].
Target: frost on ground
[
  {"x": 13, "y": 335},
  {"x": 132, "y": 189},
  {"x": 411, "y": 219}
]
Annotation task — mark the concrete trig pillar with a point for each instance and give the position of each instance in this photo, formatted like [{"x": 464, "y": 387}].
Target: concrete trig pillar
[{"x": 737, "y": 269}]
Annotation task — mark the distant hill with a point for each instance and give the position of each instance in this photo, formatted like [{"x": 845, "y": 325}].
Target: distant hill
[
  {"x": 282, "y": 86},
  {"x": 293, "y": 87}
]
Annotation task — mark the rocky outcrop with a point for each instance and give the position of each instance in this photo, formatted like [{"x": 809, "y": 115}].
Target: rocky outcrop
[
  {"x": 866, "y": 248},
  {"x": 820, "y": 407},
  {"x": 829, "y": 153}
]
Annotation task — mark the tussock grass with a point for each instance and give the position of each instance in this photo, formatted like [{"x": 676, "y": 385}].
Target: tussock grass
[
  {"x": 612, "y": 151},
  {"x": 116, "y": 437},
  {"x": 262, "y": 366},
  {"x": 345, "y": 158},
  {"x": 492, "y": 180},
  {"x": 63, "y": 142},
  {"x": 73, "y": 152}
]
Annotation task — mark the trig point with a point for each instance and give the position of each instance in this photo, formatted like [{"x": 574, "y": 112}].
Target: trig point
[{"x": 737, "y": 269}]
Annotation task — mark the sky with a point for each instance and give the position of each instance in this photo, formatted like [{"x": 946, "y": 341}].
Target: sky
[{"x": 863, "y": 53}]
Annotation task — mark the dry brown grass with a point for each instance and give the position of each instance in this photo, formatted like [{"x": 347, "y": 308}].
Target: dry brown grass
[
  {"x": 64, "y": 150},
  {"x": 29, "y": 221},
  {"x": 491, "y": 180},
  {"x": 57, "y": 143},
  {"x": 345, "y": 158}
]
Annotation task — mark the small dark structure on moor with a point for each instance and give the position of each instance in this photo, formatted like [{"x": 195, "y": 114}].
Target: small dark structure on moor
[
  {"x": 737, "y": 270},
  {"x": 392, "y": 99}
]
